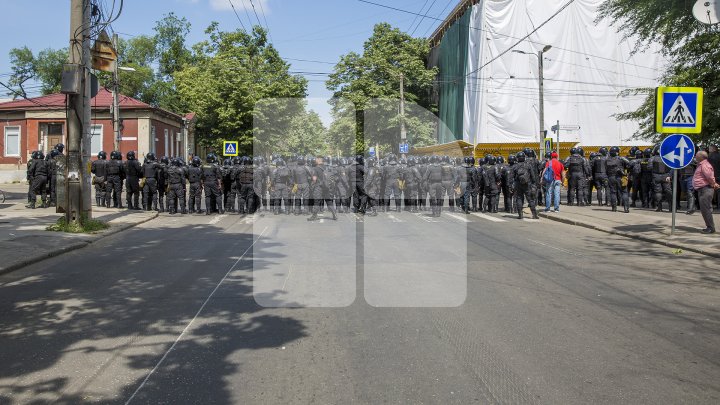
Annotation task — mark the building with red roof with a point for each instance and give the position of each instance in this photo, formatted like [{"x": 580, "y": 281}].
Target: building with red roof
[{"x": 39, "y": 123}]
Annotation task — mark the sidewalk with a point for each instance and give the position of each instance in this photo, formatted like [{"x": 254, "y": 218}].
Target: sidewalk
[
  {"x": 24, "y": 240},
  {"x": 644, "y": 224}
]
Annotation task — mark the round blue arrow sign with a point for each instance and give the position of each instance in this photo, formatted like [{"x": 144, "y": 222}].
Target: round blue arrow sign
[{"x": 677, "y": 151}]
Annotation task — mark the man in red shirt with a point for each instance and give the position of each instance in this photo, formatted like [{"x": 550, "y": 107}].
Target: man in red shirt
[
  {"x": 704, "y": 183},
  {"x": 552, "y": 188}
]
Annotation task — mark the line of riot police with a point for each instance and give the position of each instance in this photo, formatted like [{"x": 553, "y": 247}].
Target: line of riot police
[{"x": 41, "y": 176}]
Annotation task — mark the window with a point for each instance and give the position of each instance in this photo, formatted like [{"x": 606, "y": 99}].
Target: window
[
  {"x": 55, "y": 129},
  {"x": 12, "y": 141},
  {"x": 96, "y": 139},
  {"x": 167, "y": 146},
  {"x": 153, "y": 139}
]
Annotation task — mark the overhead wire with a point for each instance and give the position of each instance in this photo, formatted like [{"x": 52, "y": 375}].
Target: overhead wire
[
  {"x": 237, "y": 15},
  {"x": 267, "y": 27},
  {"x": 510, "y": 36},
  {"x": 423, "y": 17}
]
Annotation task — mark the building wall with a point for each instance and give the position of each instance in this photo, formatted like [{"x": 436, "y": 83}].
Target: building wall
[{"x": 173, "y": 134}]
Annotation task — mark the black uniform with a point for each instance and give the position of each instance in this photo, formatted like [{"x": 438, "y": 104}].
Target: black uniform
[
  {"x": 151, "y": 172},
  {"x": 322, "y": 183},
  {"x": 244, "y": 177},
  {"x": 662, "y": 189},
  {"x": 175, "y": 178},
  {"x": 133, "y": 173},
  {"x": 39, "y": 171},
  {"x": 211, "y": 176},
  {"x": 392, "y": 176},
  {"x": 356, "y": 171},
  {"x": 115, "y": 177},
  {"x": 616, "y": 170},
  {"x": 491, "y": 180},
  {"x": 434, "y": 180},
  {"x": 525, "y": 180},
  {"x": 600, "y": 178},
  {"x": 301, "y": 178},
  {"x": 99, "y": 169},
  {"x": 576, "y": 179},
  {"x": 194, "y": 173}
]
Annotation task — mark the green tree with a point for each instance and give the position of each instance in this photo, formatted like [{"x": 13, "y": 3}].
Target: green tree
[
  {"x": 307, "y": 135},
  {"x": 387, "y": 55},
  {"x": 45, "y": 69},
  {"x": 229, "y": 74},
  {"x": 692, "y": 49}
]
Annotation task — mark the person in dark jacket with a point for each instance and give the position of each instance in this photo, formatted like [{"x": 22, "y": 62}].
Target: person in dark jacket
[
  {"x": 133, "y": 173},
  {"x": 115, "y": 176},
  {"x": 38, "y": 172},
  {"x": 99, "y": 170}
]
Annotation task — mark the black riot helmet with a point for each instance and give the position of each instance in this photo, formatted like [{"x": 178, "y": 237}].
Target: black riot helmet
[
  {"x": 54, "y": 153},
  {"x": 151, "y": 157},
  {"x": 371, "y": 162},
  {"x": 392, "y": 158},
  {"x": 581, "y": 152},
  {"x": 446, "y": 159},
  {"x": 511, "y": 160},
  {"x": 458, "y": 161},
  {"x": 548, "y": 155},
  {"x": 34, "y": 154},
  {"x": 227, "y": 162},
  {"x": 177, "y": 162},
  {"x": 647, "y": 153},
  {"x": 492, "y": 160},
  {"x": 210, "y": 158},
  {"x": 471, "y": 160},
  {"x": 279, "y": 162},
  {"x": 593, "y": 156},
  {"x": 60, "y": 147},
  {"x": 520, "y": 157},
  {"x": 235, "y": 161},
  {"x": 633, "y": 150},
  {"x": 411, "y": 161},
  {"x": 500, "y": 160},
  {"x": 101, "y": 155},
  {"x": 165, "y": 160},
  {"x": 130, "y": 155},
  {"x": 360, "y": 159},
  {"x": 41, "y": 155},
  {"x": 614, "y": 151},
  {"x": 528, "y": 152},
  {"x": 196, "y": 161},
  {"x": 247, "y": 161},
  {"x": 603, "y": 151},
  {"x": 638, "y": 154},
  {"x": 115, "y": 155},
  {"x": 573, "y": 151}
]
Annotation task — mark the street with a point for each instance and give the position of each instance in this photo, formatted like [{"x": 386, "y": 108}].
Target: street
[{"x": 266, "y": 309}]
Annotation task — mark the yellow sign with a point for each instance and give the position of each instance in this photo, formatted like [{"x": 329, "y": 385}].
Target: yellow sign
[
  {"x": 548, "y": 145},
  {"x": 678, "y": 110}
]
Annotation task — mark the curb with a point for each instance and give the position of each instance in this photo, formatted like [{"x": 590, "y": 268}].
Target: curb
[
  {"x": 629, "y": 235},
  {"x": 73, "y": 246}
]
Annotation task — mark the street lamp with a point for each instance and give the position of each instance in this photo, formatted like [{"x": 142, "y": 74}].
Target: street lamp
[{"x": 541, "y": 69}]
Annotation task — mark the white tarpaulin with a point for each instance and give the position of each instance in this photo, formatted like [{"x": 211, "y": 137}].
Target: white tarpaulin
[{"x": 588, "y": 66}]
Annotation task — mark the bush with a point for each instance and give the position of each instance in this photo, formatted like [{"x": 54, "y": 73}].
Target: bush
[{"x": 85, "y": 226}]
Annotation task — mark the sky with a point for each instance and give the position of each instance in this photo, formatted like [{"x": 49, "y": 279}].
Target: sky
[{"x": 312, "y": 30}]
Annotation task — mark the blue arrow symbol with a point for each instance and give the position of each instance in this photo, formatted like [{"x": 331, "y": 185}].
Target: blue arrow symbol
[{"x": 678, "y": 156}]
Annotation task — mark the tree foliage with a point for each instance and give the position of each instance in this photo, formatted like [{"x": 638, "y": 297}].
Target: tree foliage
[
  {"x": 229, "y": 74},
  {"x": 692, "y": 49},
  {"x": 387, "y": 55},
  {"x": 45, "y": 68}
]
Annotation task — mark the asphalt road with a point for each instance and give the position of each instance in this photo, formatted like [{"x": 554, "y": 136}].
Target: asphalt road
[{"x": 401, "y": 308}]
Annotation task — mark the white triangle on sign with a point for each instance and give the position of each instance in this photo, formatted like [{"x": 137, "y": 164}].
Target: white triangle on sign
[
  {"x": 679, "y": 113},
  {"x": 230, "y": 149}
]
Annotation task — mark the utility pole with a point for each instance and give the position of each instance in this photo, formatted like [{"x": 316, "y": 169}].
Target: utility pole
[
  {"x": 403, "y": 131},
  {"x": 541, "y": 68},
  {"x": 78, "y": 181},
  {"x": 116, "y": 98}
]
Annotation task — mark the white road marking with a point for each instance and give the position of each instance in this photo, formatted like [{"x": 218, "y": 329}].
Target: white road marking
[
  {"x": 459, "y": 217},
  {"x": 488, "y": 217},
  {"x": 394, "y": 218},
  {"x": 286, "y": 278},
  {"x": 217, "y": 219},
  {"x": 162, "y": 359}
]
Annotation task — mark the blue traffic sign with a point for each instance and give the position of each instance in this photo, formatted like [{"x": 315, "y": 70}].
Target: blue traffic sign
[
  {"x": 677, "y": 151},
  {"x": 404, "y": 148},
  {"x": 372, "y": 151},
  {"x": 230, "y": 148}
]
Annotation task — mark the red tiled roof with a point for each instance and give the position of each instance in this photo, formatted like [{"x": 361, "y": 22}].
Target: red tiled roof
[{"x": 103, "y": 100}]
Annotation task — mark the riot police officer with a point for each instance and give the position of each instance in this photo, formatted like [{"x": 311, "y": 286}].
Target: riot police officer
[
  {"x": 281, "y": 182},
  {"x": 246, "y": 194},
  {"x": 434, "y": 181},
  {"x": 392, "y": 178},
  {"x": 175, "y": 178},
  {"x": 115, "y": 177},
  {"x": 301, "y": 180},
  {"x": 576, "y": 178},
  {"x": 99, "y": 169},
  {"x": 38, "y": 172},
  {"x": 133, "y": 173},
  {"x": 194, "y": 177},
  {"x": 525, "y": 179},
  {"x": 616, "y": 167},
  {"x": 599, "y": 175},
  {"x": 211, "y": 176},
  {"x": 151, "y": 172},
  {"x": 660, "y": 180}
]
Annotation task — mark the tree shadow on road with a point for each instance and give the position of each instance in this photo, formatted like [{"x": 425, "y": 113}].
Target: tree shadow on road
[{"x": 122, "y": 303}]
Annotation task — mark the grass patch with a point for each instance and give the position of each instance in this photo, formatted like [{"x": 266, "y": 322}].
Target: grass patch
[{"x": 85, "y": 226}]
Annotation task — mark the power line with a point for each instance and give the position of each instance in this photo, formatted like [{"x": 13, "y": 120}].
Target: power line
[
  {"x": 509, "y": 36},
  {"x": 262, "y": 11},
  {"x": 257, "y": 17},
  {"x": 415, "y": 19},
  {"x": 247, "y": 13},
  {"x": 307, "y": 60},
  {"x": 237, "y": 15},
  {"x": 523, "y": 38},
  {"x": 440, "y": 14},
  {"x": 423, "y": 17}
]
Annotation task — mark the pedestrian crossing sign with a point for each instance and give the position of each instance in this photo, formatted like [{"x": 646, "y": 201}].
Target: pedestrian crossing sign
[
  {"x": 230, "y": 148},
  {"x": 678, "y": 110}
]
